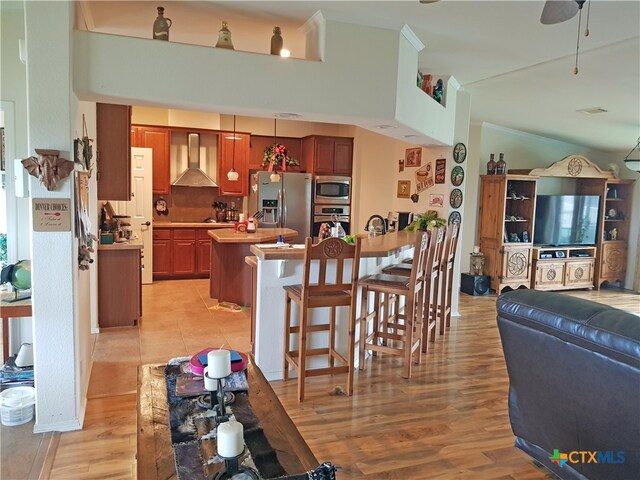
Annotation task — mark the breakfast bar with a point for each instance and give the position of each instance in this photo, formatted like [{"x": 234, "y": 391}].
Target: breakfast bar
[
  {"x": 276, "y": 267},
  {"x": 230, "y": 276}
]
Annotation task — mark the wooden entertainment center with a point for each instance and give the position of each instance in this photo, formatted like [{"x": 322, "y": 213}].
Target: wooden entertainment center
[{"x": 507, "y": 224}]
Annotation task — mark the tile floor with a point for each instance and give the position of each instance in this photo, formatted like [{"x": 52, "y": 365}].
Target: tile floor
[{"x": 178, "y": 319}]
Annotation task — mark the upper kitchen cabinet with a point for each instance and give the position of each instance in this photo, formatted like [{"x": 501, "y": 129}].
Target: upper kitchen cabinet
[
  {"x": 328, "y": 155},
  {"x": 238, "y": 159},
  {"x": 113, "y": 125},
  {"x": 158, "y": 139}
]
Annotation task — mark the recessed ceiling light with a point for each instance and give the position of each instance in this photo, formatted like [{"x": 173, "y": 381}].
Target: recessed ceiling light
[
  {"x": 411, "y": 135},
  {"x": 287, "y": 115},
  {"x": 592, "y": 110},
  {"x": 285, "y": 53},
  {"x": 385, "y": 127}
]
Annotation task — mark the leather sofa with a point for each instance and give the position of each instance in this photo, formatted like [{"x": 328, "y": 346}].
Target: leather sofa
[{"x": 574, "y": 383}]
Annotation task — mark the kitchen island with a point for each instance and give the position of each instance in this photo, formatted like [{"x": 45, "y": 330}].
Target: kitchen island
[
  {"x": 280, "y": 266},
  {"x": 230, "y": 277}
]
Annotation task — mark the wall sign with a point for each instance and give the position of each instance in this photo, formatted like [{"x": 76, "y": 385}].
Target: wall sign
[
  {"x": 441, "y": 168},
  {"x": 424, "y": 177},
  {"x": 404, "y": 188},
  {"x": 51, "y": 214}
]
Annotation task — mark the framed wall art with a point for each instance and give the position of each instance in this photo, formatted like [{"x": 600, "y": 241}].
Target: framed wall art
[
  {"x": 413, "y": 157},
  {"x": 404, "y": 188},
  {"x": 436, "y": 200},
  {"x": 441, "y": 169}
]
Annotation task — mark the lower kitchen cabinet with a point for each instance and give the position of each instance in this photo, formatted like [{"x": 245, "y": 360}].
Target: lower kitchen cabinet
[
  {"x": 181, "y": 253},
  {"x": 119, "y": 285}
]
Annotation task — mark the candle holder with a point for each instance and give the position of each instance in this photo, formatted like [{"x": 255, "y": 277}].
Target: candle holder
[
  {"x": 232, "y": 468},
  {"x": 218, "y": 398}
]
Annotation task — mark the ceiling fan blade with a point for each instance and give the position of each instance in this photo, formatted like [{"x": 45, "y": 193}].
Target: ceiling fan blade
[{"x": 557, "y": 11}]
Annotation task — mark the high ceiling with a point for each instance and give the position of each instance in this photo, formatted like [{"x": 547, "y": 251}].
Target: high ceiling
[{"x": 519, "y": 72}]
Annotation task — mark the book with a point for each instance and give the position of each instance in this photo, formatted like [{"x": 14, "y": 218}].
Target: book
[{"x": 235, "y": 357}]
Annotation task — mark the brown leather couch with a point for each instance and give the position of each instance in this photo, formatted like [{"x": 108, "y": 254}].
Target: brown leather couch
[{"x": 574, "y": 374}]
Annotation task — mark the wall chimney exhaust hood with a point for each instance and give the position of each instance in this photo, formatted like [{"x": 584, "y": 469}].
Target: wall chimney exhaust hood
[{"x": 194, "y": 176}]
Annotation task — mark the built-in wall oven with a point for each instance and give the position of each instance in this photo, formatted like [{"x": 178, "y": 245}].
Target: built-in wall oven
[
  {"x": 328, "y": 214},
  {"x": 331, "y": 189}
]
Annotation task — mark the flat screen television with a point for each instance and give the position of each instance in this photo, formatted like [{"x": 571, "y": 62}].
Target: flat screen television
[{"x": 566, "y": 220}]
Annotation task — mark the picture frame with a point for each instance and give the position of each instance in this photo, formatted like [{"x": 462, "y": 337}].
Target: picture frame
[
  {"x": 404, "y": 188},
  {"x": 413, "y": 157},
  {"x": 401, "y": 165},
  {"x": 436, "y": 200}
]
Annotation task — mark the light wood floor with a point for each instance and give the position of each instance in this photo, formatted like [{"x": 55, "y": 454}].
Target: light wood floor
[{"x": 449, "y": 421}]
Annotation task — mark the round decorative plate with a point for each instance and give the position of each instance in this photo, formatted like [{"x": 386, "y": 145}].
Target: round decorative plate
[
  {"x": 457, "y": 176},
  {"x": 455, "y": 217},
  {"x": 455, "y": 199},
  {"x": 459, "y": 152}
]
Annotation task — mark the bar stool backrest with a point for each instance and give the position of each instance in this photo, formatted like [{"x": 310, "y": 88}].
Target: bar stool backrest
[
  {"x": 330, "y": 250},
  {"x": 419, "y": 265},
  {"x": 450, "y": 246}
]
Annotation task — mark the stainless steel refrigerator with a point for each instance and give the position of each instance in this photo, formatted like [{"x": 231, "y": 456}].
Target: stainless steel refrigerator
[{"x": 286, "y": 203}]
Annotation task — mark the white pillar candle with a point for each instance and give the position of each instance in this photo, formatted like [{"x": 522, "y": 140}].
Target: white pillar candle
[
  {"x": 210, "y": 383},
  {"x": 219, "y": 363},
  {"x": 230, "y": 439}
]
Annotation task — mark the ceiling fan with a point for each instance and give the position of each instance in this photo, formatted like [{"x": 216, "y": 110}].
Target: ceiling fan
[{"x": 558, "y": 11}]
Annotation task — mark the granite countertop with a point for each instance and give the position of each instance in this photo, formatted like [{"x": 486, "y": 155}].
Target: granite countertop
[
  {"x": 261, "y": 235},
  {"x": 378, "y": 246},
  {"x": 193, "y": 225},
  {"x": 133, "y": 244}
]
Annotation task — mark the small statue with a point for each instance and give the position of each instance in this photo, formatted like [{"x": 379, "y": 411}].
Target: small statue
[
  {"x": 477, "y": 263},
  {"x": 224, "y": 37},
  {"x": 514, "y": 238},
  {"x": 613, "y": 234},
  {"x": 161, "y": 26},
  {"x": 438, "y": 91},
  {"x": 48, "y": 167}
]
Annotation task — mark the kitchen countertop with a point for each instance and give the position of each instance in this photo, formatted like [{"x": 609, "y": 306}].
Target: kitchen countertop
[
  {"x": 261, "y": 235},
  {"x": 378, "y": 246},
  {"x": 134, "y": 244},
  {"x": 193, "y": 225}
]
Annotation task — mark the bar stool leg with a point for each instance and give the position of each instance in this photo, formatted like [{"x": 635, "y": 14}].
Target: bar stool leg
[
  {"x": 287, "y": 333},
  {"x": 364, "y": 313},
  {"x": 408, "y": 338},
  {"x": 352, "y": 347},
  {"x": 302, "y": 353},
  {"x": 332, "y": 336}
]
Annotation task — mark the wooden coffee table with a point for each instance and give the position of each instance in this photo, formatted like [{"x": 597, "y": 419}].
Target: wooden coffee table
[{"x": 155, "y": 454}]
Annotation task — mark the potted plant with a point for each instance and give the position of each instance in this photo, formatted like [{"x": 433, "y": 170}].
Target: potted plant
[
  {"x": 426, "y": 222},
  {"x": 275, "y": 156}
]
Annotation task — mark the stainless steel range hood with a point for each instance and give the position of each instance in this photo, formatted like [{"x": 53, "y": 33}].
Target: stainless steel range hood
[{"x": 194, "y": 176}]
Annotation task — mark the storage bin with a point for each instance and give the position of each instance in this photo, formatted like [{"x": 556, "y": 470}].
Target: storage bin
[{"x": 17, "y": 405}]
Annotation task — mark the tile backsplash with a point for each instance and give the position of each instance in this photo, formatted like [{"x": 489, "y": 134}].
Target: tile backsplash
[{"x": 192, "y": 204}]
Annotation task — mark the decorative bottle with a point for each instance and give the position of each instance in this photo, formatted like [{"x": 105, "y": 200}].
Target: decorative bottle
[
  {"x": 161, "y": 26},
  {"x": 491, "y": 165},
  {"x": 438, "y": 91},
  {"x": 276, "y": 41},
  {"x": 501, "y": 166},
  {"x": 224, "y": 37}
]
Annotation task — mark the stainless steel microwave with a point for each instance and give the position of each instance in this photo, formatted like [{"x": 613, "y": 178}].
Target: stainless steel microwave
[{"x": 332, "y": 189}]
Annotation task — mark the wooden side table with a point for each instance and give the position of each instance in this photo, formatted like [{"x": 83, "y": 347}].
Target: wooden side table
[{"x": 21, "y": 308}]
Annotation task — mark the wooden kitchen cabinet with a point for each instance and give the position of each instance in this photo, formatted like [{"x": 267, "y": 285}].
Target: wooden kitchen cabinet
[
  {"x": 113, "y": 159},
  {"x": 203, "y": 254},
  {"x": 119, "y": 286},
  {"x": 239, "y": 161},
  {"x": 158, "y": 139},
  {"x": 328, "y": 155},
  {"x": 181, "y": 253},
  {"x": 161, "y": 252}
]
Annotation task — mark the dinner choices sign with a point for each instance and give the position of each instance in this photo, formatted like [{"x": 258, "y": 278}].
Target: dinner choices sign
[{"x": 51, "y": 214}]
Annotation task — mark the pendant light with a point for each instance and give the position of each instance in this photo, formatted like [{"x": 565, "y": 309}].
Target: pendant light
[
  {"x": 275, "y": 176},
  {"x": 232, "y": 175},
  {"x": 633, "y": 163}
]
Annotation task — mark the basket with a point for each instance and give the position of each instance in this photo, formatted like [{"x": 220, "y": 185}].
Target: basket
[{"x": 17, "y": 405}]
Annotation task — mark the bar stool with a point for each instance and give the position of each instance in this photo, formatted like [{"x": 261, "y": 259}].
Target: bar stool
[
  {"x": 431, "y": 283},
  {"x": 329, "y": 291},
  {"x": 446, "y": 274},
  {"x": 402, "y": 327}
]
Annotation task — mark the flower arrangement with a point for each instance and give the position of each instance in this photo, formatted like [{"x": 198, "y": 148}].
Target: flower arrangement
[
  {"x": 277, "y": 156},
  {"x": 426, "y": 222}
]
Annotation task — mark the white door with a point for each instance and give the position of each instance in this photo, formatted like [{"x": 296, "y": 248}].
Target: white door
[{"x": 140, "y": 208}]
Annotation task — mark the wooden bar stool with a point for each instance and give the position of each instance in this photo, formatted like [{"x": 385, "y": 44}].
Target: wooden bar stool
[
  {"x": 431, "y": 282},
  {"x": 394, "y": 326},
  {"x": 329, "y": 291},
  {"x": 446, "y": 274}
]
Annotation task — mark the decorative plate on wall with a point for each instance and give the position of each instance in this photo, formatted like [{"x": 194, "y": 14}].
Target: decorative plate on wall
[
  {"x": 455, "y": 199},
  {"x": 459, "y": 152},
  {"x": 455, "y": 217},
  {"x": 457, "y": 176}
]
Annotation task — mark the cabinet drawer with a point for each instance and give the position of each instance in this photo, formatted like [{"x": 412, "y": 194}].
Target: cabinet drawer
[
  {"x": 161, "y": 234},
  {"x": 184, "y": 234},
  {"x": 203, "y": 235}
]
